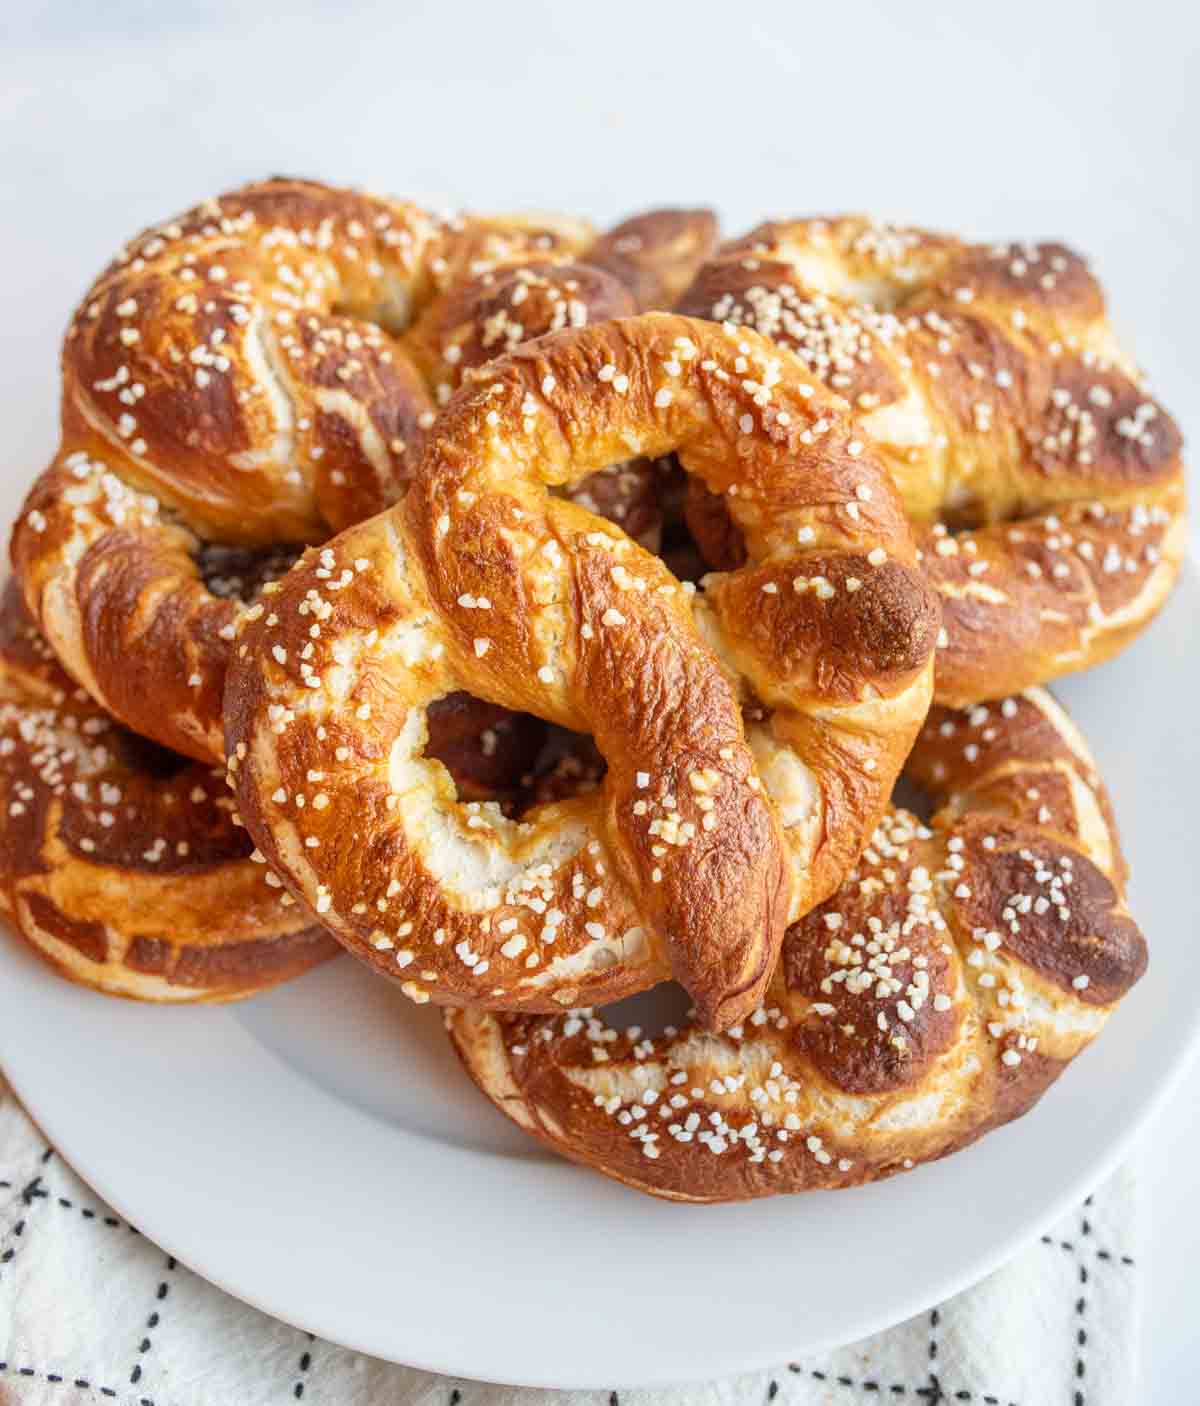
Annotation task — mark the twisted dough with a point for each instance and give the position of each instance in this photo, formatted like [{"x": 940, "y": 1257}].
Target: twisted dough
[
  {"x": 120, "y": 864},
  {"x": 232, "y": 377},
  {"x": 1049, "y": 484},
  {"x": 958, "y": 970},
  {"x": 706, "y": 839}
]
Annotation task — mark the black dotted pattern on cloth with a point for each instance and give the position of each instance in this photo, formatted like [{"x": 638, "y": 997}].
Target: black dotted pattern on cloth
[
  {"x": 33, "y": 1192},
  {"x": 80, "y": 1383},
  {"x": 931, "y": 1392},
  {"x": 100, "y": 1217},
  {"x": 304, "y": 1364},
  {"x": 1081, "y": 1309},
  {"x": 152, "y": 1322}
]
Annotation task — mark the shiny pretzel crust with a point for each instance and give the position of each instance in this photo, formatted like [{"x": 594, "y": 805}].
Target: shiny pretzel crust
[
  {"x": 959, "y": 969},
  {"x": 989, "y": 380}
]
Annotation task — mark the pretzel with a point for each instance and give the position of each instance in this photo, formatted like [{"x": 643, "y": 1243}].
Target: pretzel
[
  {"x": 232, "y": 378},
  {"x": 705, "y": 838},
  {"x": 960, "y": 968},
  {"x": 1048, "y": 484},
  {"x": 120, "y": 863}
]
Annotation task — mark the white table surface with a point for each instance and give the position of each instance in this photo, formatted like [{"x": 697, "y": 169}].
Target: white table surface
[{"x": 1022, "y": 120}]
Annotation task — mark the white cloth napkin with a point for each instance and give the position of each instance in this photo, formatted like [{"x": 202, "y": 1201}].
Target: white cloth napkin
[{"x": 92, "y": 1312}]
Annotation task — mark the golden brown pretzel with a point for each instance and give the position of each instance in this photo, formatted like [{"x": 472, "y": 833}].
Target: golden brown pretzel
[
  {"x": 703, "y": 842},
  {"x": 958, "y": 970},
  {"x": 233, "y": 377},
  {"x": 1048, "y": 483},
  {"x": 120, "y": 863}
]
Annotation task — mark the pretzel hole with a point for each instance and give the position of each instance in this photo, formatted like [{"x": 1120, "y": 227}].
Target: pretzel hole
[
  {"x": 662, "y": 1010},
  {"x": 569, "y": 764},
  {"x": 967, "y": 515},
  {"x": 907, "y": 795},
  {"x": 240, "y": 573},
  {"x": 140, "y": 754},
  {"x": 646, "y": 498},
  {"x": 642, "y": 496},
  {"x": 488, "y": 751}
]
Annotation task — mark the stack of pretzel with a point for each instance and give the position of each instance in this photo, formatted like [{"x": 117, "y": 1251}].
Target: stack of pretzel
[{"x": 541, "y": 615}]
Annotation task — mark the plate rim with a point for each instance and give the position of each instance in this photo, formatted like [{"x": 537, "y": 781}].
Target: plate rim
[
  {"x": 729, "y": 1365},
  {"x": 492, "y": 1359}
]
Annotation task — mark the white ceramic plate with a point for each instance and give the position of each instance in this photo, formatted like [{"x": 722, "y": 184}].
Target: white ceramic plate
[{"x": 332, "y": 1116}]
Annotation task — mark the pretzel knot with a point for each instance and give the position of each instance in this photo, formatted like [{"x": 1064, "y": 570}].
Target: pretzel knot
[
  {"x": 1048, "y": 485},
  {"x": 708, "y": 835},
  {"x": 233, "y": 378}
]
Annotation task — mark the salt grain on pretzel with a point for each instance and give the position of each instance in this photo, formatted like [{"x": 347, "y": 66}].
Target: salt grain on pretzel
[
  {"x": 706, "y": 837},
  {"x": 988, "y": 378},
  {"x": 121, "y": 864},
  {"x": 959, "y": 969}
]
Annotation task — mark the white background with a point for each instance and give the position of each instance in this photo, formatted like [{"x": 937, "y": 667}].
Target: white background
[{"x": 1014, "y": 120}]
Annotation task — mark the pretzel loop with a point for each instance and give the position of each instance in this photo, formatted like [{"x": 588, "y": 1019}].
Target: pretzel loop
[
  {"x": 958, "y": 970},
  {"x": 703, "y": 842},
  {"x": 1048, "y": 484}
]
